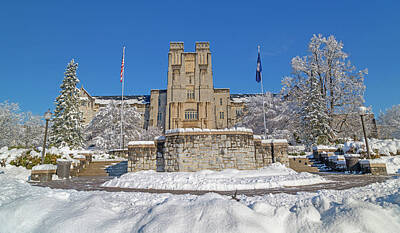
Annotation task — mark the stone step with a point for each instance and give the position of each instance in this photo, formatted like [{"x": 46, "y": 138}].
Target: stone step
[{"x": 97, "y": 168}]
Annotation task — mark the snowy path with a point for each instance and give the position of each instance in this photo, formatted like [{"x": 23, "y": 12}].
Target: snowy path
[{"x": 338, "y": 182}]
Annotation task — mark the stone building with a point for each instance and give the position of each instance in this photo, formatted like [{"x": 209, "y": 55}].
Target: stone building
[{"x": 190, "y": 100}]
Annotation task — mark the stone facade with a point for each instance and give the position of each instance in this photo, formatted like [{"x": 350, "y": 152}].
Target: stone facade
[{"x": 196, "y": 149}]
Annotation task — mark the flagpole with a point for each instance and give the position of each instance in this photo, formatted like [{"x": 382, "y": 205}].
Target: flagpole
[
  {"x": 122, "y": 98},
  {"x": 262, "y": 93}
]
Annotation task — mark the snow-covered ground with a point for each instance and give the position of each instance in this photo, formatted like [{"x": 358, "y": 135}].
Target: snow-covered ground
[
  {"x": 275, "y": 175},
  {"x": 25, "y": 208}
]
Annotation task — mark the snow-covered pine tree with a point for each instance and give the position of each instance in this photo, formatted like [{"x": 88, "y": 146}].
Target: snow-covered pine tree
[
  {"x": 314, "y": 117},
  {"x": 67, "y": 126}
]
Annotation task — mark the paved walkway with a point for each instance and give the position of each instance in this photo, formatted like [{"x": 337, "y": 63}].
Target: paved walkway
[{"x": 339, "y": 182}]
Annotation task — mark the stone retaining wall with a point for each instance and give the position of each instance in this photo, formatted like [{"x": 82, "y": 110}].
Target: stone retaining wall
[
  {"x": 302, "y": 164},
  {"x": 142, "y": 157},
  {"x": 194, "y": 151},
  {"x": 198, "y": 150}
]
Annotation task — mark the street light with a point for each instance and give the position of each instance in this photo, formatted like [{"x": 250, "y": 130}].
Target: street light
[
  {"x": 47, "y": 117},
  {"x": 363, "y": 112}
]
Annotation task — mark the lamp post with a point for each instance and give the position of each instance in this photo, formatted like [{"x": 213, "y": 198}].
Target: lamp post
[
  {"x": 363, "y": 111},
  {"x": 47, "y": 117}
]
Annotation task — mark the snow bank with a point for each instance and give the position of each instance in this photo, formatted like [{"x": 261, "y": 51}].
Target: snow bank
[
  {"x": 275, "y": 175},
  {"x": 10, "y": 155},
  {"x": 24, "y": 208},
  {"x": 19, "y": 173},
  {"x": 392, "y": 163}
]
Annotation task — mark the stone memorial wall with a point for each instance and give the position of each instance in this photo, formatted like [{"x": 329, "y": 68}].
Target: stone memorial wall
[{"x": 191, "y": 150}]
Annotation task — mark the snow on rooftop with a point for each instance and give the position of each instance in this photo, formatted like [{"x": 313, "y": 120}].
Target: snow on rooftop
[
  {"x": 79, "y": 157},
  {"x": 274, "y": 141},
  {"x": 184, "y": 130},
  {"x": 159, "y": 138},
  {"x": 352, "y": 155},
  {"x": 104, "y": 100},
  {"x": 324, "y": 147},
  {"x": 134, "y": 143}
]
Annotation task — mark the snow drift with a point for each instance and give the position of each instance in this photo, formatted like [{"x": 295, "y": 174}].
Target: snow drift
[
  {"x": 24, "y": 208},
  {"x": 275, "y": 175}
]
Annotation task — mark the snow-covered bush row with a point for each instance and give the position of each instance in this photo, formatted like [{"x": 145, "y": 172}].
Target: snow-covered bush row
[
  {"x": 275, "y": 175},
  {"x": 381, "y": 147},
  {"x": 11, "y": 154},
  {"x": 14, "y": 155},
  {"x": 26, "y": 208}
]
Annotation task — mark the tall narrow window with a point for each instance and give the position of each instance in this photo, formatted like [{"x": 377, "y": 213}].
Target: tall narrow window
[
  {"x": 221, "y": 115},
  {"x": 220, "y": 101},
  {"x": 190, "y": 94}
]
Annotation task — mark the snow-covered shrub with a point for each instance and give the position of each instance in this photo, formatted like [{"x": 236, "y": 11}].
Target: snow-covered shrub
[
  {"x": 390, "y": 122},
  {"x": 277, "y": 115},
  {"x": 19, "y": 129},
  {"x": 104, "y": 131}
]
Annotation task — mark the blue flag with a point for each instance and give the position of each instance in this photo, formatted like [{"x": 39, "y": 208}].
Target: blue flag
[{"x": 259, "y": 69}]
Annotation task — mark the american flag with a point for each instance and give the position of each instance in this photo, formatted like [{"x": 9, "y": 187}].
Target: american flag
[{"x": 122, "y": 65}]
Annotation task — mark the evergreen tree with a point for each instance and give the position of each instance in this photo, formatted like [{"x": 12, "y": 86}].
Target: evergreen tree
[
  {"x": 67, "y": 128},
  {"x": 315, "y": 119}
]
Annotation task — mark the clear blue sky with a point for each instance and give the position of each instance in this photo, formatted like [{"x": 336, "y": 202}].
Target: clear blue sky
[{"x": 38, "y": 39}]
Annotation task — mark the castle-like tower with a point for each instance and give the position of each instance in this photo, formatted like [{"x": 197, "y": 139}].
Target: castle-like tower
[
  {"x": 190, "y": 100},
  {"x": 190, "y": 90}
]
